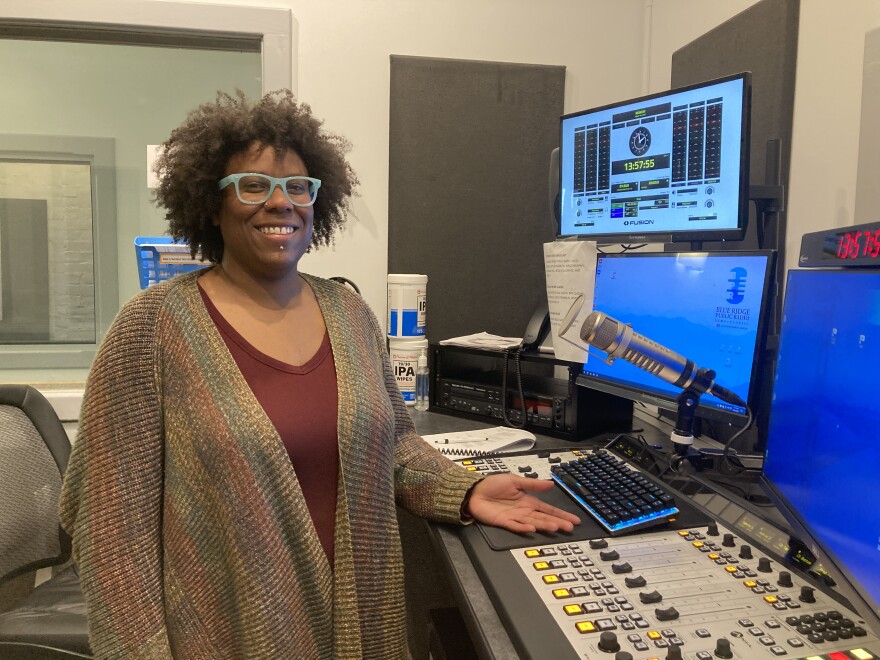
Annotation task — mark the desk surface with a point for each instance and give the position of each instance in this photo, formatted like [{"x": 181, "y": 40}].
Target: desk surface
[{"x": 488, "y": 632}]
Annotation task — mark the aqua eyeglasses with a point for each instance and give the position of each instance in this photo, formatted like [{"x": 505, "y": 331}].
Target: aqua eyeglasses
[{"x": 254, "y": 188}]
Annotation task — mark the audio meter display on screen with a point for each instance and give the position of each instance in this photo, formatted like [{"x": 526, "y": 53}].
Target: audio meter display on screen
[
  {"x": 665, "y": 167},
  {"x": 707, "y": 306}
]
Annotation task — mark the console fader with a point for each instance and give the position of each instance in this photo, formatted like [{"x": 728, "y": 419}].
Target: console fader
[{"x": 691, "y": 594}]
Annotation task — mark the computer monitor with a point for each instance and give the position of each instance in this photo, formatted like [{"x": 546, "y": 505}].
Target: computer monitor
[
  {"x": 661, "y": 168},
  {"x": 709, "y": 307},
  {"x": 823, "y": 453}
]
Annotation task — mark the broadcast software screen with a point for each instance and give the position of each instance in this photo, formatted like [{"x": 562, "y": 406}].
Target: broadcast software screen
[
  {"x": 661, "y": 168},
  {"x": 823, "y": 455},
  {"x": 707, "y": 306}
]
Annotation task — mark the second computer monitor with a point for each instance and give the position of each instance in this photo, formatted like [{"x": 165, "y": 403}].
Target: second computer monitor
[
  {"x": 823, "y": 458},
  {"x": 661, "y": 168},
  {"x": 709, "y": 307}
]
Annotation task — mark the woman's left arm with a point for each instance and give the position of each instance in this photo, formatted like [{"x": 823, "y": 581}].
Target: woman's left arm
[{"x": 430, "y": 485}]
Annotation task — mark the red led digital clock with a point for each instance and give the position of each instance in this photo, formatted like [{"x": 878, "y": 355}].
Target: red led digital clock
[{"x": 858, "y": 245}]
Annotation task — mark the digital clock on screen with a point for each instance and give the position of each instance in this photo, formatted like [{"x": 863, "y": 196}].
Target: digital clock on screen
[{"x": 858, "y": 245}]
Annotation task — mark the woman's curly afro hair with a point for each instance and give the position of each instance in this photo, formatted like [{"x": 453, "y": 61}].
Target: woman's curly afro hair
[{"x": 194, "y": 159}]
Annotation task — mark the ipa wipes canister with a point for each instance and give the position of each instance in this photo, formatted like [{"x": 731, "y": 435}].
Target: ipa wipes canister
[
  {"x": 407, "y": 305},
  {"x": 405, "y": 354}
]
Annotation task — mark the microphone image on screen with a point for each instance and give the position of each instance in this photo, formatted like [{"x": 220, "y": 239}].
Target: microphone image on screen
[{"x": 619, "y": 340}]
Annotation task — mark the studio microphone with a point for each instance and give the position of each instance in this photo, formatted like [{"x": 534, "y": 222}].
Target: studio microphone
[{"x": 619, "y": 341}]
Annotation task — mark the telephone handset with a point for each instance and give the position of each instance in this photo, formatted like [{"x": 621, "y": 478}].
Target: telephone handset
[{"x": 537, "y": 329}]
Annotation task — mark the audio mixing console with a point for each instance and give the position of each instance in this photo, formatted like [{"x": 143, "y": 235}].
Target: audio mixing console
[{"x": 697, "y": 593}]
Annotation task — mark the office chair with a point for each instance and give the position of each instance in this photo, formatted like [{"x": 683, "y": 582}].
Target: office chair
[{"x": 51, "y": 621}]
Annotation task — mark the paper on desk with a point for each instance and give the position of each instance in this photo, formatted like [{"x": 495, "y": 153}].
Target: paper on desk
[
  {"x": 493, "y": 440},
  {"x": 483, "y": 340},
  {"x": 570, "y": 270}
]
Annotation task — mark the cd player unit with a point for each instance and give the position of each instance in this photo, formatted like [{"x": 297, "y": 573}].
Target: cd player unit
[{"x": 468, "y": 383}]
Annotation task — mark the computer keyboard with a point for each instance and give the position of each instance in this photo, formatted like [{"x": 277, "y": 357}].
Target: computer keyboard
[{"x": 619, "y": 498}]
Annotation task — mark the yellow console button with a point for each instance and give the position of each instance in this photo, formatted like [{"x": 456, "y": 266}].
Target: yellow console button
[
  {"x": 683, "y": 532},
  {"x": 541, "y": 565},
  {"x": 561, "y": 593},
  {"x": 730, "y": 569},
  {"x": 573, "y": 609},
  {"x": 698, "y": 544},
  {"x": 751, "y": 584},
  {"x": 771, "y": 599},
  {"x": 653, "y": 634},
  {"x": 531, "y": 554},
  {"x": 862, "y": 654},
  {"x": 471, "y": 468},
  {"x": 467, "y": 462},
  {"x": 585, "y": 627},
  {"x": 713, "y": 555},
  {"x": 551, "y": 579}
]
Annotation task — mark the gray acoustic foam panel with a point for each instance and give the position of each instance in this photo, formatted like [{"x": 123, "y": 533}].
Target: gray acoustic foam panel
[
  {"x": 469, "y": 158},
  {"x": 762, "y": 39}
]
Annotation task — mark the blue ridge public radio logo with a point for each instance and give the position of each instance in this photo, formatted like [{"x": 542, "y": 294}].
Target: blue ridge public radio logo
[
  {"x": 737, "y": 288},
  {"x": 733, "y": 314}
]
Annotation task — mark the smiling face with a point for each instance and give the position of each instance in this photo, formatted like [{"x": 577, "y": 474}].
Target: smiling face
[{"x": 266, "y": 240}]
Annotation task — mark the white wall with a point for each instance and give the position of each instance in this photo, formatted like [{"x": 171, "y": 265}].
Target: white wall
[
  {"x": 827, "y": 107},
  {"x": 827, "y": 115},
  {"x": 611, "y": 49},
  {"x": 343, "y": 71}
]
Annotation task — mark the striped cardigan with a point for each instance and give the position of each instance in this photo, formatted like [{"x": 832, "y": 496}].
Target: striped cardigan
[{"x": 189, "y": 526}]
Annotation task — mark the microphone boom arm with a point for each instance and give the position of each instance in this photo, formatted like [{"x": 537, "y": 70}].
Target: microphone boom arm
[{"x": 618, "y": 340}]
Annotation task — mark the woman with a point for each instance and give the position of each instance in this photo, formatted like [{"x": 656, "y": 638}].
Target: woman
[{"x": 242, "y": 441}]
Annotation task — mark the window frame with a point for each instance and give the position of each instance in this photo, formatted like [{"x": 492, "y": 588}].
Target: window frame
[
  {"x": 185, "y": 24},
  {"x": 99, "y": 154},
  {"x": 272, "y": 31}
]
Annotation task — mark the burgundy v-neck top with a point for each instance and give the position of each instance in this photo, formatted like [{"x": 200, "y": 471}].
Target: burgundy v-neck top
[{"x": 301, "y": 402}]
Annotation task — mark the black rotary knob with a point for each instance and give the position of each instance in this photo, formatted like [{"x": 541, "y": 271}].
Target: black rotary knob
[
  {"x": 764, "y": 565},
  {"x": 745, "y": 552},
  {"x": 785, "y": 579},
  {"x": 674, "y": 653},
  {"x": 712, "y": 529},
  {"x": 728, "y": 541},
  {"x": 807, "y": 595},
  {"x": 623, "y": 655},
  {"x": 722, "y": 648},
  {"x": 608, "y": 642}
]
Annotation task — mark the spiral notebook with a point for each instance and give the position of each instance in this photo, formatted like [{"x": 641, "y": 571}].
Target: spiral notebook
[{"x": 481, "y": 442}]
